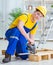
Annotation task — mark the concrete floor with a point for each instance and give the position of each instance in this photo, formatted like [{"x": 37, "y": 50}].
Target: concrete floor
[
  {"x": 3, "y": 45},
  {"x": 26, "y": 62}
]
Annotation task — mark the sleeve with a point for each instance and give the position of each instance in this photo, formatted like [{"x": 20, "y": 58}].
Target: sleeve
[
  {"x": 34, "y": 30},
  {"x": 23, "y": 18}
]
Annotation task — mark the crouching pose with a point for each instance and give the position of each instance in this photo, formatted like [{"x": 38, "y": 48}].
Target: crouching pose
[{"x": 17, "y": 34}]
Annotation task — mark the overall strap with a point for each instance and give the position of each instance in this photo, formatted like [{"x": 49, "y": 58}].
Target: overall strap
[{"x": 33, "y": 26}]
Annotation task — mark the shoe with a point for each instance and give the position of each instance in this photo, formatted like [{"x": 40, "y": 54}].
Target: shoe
[
  {"x": 21, "y": 57},
  {"x": 7, "y": 58},
  {"x": 16, "y": 55}
]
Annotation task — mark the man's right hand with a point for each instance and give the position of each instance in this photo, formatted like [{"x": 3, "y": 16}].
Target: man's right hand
[{"x": 31, "y": 41}]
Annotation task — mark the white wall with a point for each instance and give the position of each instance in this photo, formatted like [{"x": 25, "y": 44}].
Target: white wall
[{"x": 6, "y": 7}]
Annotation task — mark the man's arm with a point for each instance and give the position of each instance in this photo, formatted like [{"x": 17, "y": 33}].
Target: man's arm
[
  {"x": 32, "y": 36},
  {"x": 20, "y": 26}
]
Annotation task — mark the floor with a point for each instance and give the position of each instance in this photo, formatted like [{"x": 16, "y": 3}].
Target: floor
[{"x": 3, "y": 45}]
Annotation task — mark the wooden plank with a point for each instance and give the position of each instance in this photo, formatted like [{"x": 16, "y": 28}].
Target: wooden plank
[
  {"x": 42, "y": 50},
  {"x": 51, "y": 55},
  {"x": 3, "y": 52},
  {"x": 34, "y": 57},
  {"x": 37, "y": 58}
]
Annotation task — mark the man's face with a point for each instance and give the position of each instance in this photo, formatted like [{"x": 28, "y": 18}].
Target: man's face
[{"x": 37, "y": 15}]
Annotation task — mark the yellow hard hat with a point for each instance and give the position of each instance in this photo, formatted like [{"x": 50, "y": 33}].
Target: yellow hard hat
[{"x": 42, "y": 9}]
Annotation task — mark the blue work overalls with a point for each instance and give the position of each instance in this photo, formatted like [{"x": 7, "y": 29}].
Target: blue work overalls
[{"x": 17, "y": 42}]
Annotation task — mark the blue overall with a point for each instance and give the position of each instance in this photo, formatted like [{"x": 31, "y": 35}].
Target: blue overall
[{"x": 17, "y": 42}]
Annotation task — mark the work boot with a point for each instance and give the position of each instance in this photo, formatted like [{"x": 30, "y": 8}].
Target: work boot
[
  {"x": 7, "y": 58},
  {"x": 16, "y": 55},
  {"x": 21, "y": 57}
]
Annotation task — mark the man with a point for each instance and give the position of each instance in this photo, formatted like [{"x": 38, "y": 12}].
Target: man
[{"x": 17, "y": 34}]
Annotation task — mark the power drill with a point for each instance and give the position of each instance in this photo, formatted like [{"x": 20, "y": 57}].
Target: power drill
[{"x": 31, "y": 48}]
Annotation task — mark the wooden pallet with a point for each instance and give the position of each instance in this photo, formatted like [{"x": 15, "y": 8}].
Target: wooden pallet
[
  {"x": 43, "y": 54},
  {"x": 46, "y": 55},
  {"x": 42, "y": 50}
]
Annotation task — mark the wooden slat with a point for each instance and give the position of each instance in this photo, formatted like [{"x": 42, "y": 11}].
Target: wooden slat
[
  {"x": 3, "y": 52},
  {"x": 42, "y": 50}
]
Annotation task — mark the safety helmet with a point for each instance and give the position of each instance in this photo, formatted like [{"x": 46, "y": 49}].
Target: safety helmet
[{"x": 42, "y": 9}]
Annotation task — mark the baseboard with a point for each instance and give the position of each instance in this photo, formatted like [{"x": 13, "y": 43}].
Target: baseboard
[
  {"x": 50, "y": 40},
  {"x": 2, "y": 38}
]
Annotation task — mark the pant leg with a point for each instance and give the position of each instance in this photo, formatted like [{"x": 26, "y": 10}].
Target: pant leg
[
  {"x": 13, "y": 39},
  {"x": 21, "y": 47}
]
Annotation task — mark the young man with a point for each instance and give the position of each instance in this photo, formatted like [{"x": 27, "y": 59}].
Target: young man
[{"x": 17, "y": 34}]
